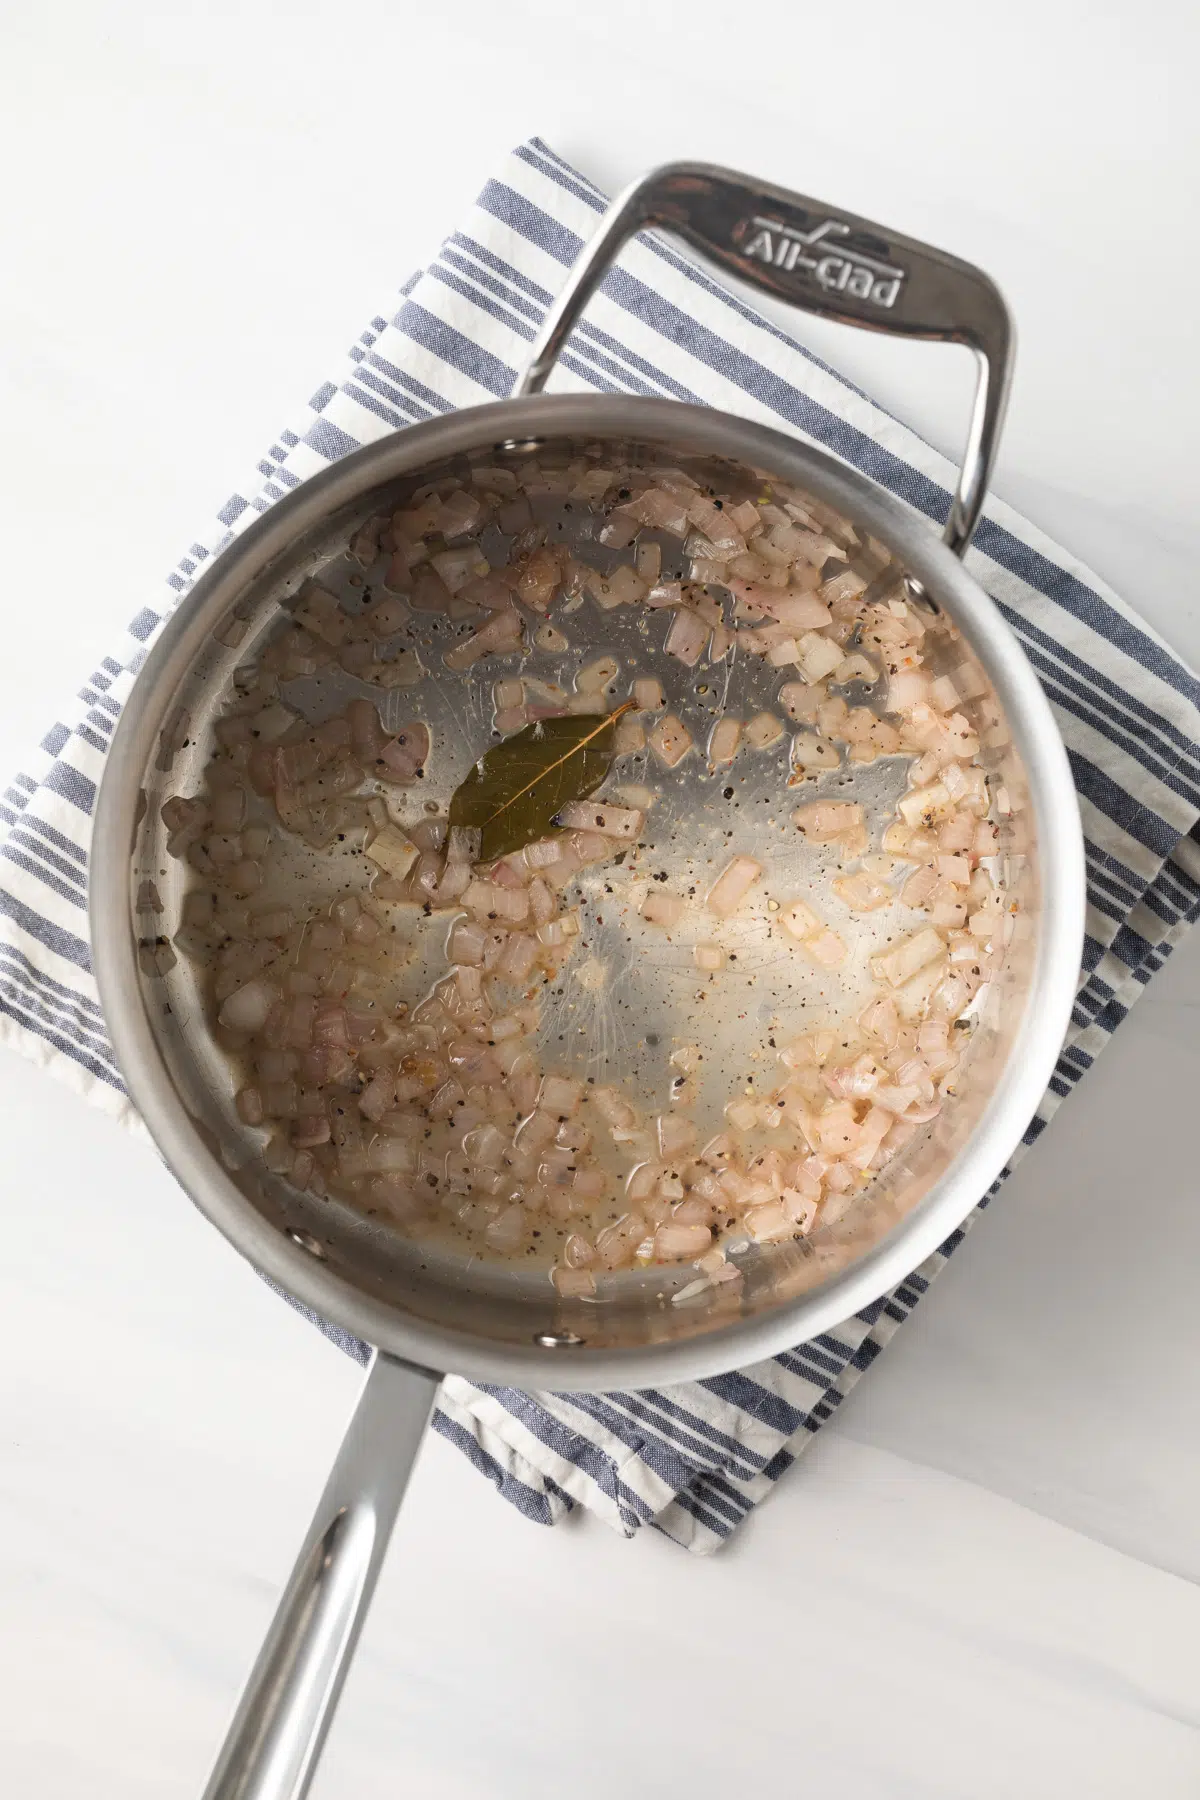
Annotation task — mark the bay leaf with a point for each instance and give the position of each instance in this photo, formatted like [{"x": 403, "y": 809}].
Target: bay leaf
[{"x": 518, "y": 786}]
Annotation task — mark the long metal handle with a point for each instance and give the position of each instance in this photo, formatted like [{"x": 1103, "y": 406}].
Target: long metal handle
[
  {"x": 824, "y": 261},
  {"x": 272, "y": 1747}
]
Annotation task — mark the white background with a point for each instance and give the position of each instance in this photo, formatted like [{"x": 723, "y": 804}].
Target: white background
[{"x": 981, "y": 1579}]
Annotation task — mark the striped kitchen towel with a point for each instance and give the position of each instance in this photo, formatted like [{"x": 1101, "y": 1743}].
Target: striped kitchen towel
[{"x": 694, "y": 1459}]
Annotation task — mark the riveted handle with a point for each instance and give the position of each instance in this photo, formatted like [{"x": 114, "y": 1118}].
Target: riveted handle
[{"x": 824, "y": 261}]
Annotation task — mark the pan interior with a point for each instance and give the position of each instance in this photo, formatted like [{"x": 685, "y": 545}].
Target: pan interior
[{"x": 623, "y": 1028}]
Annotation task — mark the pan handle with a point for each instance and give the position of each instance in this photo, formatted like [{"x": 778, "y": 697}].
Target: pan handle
[
  {"x": 824, "y": 261},
  {"x": 274, "y": 1742}
]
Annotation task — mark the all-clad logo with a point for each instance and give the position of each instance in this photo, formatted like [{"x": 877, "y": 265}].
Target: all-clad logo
[{"x": 837, "y": 268}]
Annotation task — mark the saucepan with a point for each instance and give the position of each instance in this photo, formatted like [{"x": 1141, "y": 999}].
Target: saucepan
[{"x": 425, "y": 1314}]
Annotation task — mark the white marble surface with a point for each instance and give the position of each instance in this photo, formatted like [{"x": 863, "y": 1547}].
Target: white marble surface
[{"x": 981, "y": 1580}]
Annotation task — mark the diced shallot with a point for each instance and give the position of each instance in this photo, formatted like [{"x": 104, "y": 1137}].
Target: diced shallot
[
  {"x": 800, "y": 920},
  {"x": 763, "y": 730},
  {"x": 517, "y": 959},
  {"x": 466, "y": 943},
  {"x": 660, "y": 908},
  {"x": 393, "y": 852},
  {"x": 914, "y": 954},
  {"x": 560, "y": 1095},
  {"x": 687, "y": 637},
  {"x": 506, "y": 1232},
  {"x": 648, "y": 694},
  {"x": 612, "y": 1108},
  {"x": 810, "y": 751},
  {"x": 248, "y": 1007},
  {"x": 723, "y": 742},
  {"x": 826, "y": 948},
  {"x": 824, "y": 821},
  {"x": 674, "y": 1242},
  {"x": 542, "y": 853},
  {"x": 595, "y": 676},
  {"x": 616, "y": 1245},
  {"x": 622, "y": 822},
  {"x": 861, "y": 894},
  {"x": 670, "y": 740},
  {"x": 574, "y": 1284},
  {"x": 501, "y": 633},
  {"x": 906, "y": 689},
  {"x": 800, "y": 700},
  {"x": 768, "y": 1223},
  {"x": 732, "y": 886},
  {"x": 926, "y": 805}
]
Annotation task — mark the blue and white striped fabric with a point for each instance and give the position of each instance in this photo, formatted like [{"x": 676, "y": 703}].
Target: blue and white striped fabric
[{"x": 691, "y": 1461}]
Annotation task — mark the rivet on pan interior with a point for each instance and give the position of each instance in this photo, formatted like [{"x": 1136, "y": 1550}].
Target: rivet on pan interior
[
  {"x": 520, "y": 446},
  {"x": 308, "y": 1242},
  {"x": 557, "y": 1340},
  {"x": 916, "y": 593}
]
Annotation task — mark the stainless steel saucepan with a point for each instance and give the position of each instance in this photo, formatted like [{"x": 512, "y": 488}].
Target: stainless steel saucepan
[{"x": 430, "y": 1313}]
